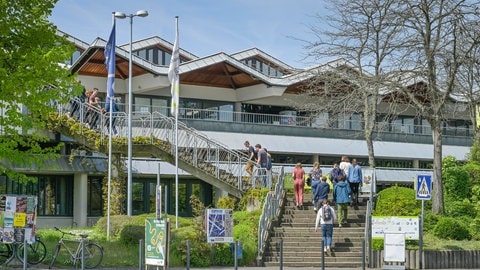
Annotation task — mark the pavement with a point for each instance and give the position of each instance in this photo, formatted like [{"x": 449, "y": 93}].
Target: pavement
[{"x": 44, "y": 267}]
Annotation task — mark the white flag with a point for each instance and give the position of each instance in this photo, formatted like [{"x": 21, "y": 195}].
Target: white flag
[{"x": 173, "y": 75}]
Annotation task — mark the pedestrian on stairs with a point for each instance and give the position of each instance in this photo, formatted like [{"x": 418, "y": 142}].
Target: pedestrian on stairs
[
  {"x": 298, "y": 184},
  {"x": 341, "y": 195},
  {"x": 325, "y": 217}
]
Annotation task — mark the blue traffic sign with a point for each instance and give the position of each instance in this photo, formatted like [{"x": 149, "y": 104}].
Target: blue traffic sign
[{"x": 424, "y": 187}]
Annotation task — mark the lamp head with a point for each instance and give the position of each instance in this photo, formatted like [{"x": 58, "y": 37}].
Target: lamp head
[
  {"x": 141, "y": 13},
  {"x": 120, "y": 15}
]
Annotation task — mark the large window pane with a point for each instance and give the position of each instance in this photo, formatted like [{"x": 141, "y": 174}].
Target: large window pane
[{"x": 95, "y": 200}]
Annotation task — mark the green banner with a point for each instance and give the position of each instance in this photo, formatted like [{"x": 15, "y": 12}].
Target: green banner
[{"x": 155, "y": 239}]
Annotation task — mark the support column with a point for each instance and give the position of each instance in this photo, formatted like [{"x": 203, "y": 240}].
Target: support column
[
  {"x": 416, "y": 163},
  {"x": 237, "y": 112},
  {"x": 218, "y": 193},
  {"x": 315, "y": 158},
  {"x": 80, "y": 185}
]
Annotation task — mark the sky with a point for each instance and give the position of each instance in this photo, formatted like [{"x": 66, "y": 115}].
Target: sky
[{"x": 206, "y": 27}]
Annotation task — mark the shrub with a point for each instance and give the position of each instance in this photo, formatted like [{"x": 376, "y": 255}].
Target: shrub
[
  {"x": 131, "y": 234},
  {"x": 461, "y": 208},
  {"x": 451, "y": 228},
  {"x": 475, "y": 229},
  {"x": 398, "y": 200},
  {"x": 456, "y": 180},
  {"x": 116, "y": 224},
  {"x": 226, "y": 202},
  {"x": 430, "y": 220},
  {"x": 473, "y": 169}
]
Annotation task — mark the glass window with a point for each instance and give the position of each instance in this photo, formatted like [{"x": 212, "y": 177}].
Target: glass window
[
  {"x": 95, "y": 199},
  {"x": 55, "y": 196}
]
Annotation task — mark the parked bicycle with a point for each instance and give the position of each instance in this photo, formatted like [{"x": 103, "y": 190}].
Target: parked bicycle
[
  {"x": 93, "y": 254},
  {"x": 36, "y": 252}
]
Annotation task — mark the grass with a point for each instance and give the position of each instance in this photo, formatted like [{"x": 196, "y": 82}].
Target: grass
[
  {"x": 434, "y": 243},
  {"x": 115, "y": 253}
]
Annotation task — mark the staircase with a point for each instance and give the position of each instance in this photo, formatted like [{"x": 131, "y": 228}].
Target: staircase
[
  {"x": 153, "y": 135},
  {"x": 302, "y": 247}
]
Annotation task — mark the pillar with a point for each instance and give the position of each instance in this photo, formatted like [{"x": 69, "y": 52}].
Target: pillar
[{"x": 80, "y": 191}]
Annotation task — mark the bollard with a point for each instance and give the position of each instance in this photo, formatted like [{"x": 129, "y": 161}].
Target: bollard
[
  {"x": 83, "y": 253},
  {"x": 188, "y": 254},
  {"x": 363, "y": 254},
  {"x": 323, "y": 254},
  {"x": 281, "y": 254},
  {"x": 235, "y": 255},
  {"x": 24, "y": 253},
  {"x": 140, "y": 253}
]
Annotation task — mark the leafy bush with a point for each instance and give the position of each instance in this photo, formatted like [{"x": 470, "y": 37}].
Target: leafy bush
[
  {"x": 116, "y": 224},
  {"x": 461, "y": 208},
  {"x": 226, "y": 202},
  {"x": 131, "y": 234},
  {"x": 473, "y": 169},
  {"x": 456, "y": 180},
  {"x": 430, "y": 220},
  {"x": 398, "y": 200},
  {"x": 451, "y": 228},
  {"x": 475, "y": 229}
]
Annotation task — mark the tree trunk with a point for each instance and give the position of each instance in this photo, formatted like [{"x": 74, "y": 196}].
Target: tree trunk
[
  {"x": 369, "y": 126},
  {"x": 437, "y": 192}
]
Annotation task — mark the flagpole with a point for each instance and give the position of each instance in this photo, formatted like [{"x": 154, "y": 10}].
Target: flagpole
[
  {"x": 174, "y": 78},
  {"x": 176, "y": 134},
  {"x": 109, "y": 88}
]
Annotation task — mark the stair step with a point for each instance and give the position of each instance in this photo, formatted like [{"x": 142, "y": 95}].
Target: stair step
[{"x": 317, "y": 263}]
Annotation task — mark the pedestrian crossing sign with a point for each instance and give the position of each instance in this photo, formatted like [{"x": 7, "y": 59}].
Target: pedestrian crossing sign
[{"x": 424, "y": 187}]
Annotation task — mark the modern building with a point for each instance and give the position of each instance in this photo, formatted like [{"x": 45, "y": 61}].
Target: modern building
[{"x": 229, "y": 98}]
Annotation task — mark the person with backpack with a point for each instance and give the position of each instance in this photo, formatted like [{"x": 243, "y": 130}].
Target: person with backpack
[
  {"x": 269, "y": 169},
  {"x": 326, "y": 217},
  {"x": 341, "y": 195},
  {"x": 315, "y": 175}
]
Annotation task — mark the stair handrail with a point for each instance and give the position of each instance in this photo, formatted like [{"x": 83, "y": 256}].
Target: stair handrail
[
  {"x": 368, "y": 217},
  {"x": 226, "y": 164},
  {"x": 271, "y": 210}
]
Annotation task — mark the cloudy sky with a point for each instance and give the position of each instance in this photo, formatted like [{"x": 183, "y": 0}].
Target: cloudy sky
[{"x": 206, "y": 26}]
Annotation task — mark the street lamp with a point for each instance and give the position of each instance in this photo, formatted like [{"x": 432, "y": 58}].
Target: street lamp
[{"x": 121, "y": 15}]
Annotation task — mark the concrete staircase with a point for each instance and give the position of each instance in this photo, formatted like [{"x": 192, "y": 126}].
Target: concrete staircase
[{"x": 302, "y": 247}]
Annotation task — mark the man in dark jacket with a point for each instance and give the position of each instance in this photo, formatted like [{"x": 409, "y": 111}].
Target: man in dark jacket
[{"x": 341, "y": 195}]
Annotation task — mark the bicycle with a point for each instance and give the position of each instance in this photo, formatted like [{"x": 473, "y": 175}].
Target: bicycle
[
  {"x": 93, "y": 252},
  {"x": 36, "y": 252}
]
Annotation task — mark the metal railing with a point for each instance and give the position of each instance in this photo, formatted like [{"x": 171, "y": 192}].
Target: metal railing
[
  {"x": 194, "y": 148},
  {"x": 271, "y": 209}
]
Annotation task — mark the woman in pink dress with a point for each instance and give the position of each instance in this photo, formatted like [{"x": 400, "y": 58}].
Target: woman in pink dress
[{"x": 298, "y": 184}]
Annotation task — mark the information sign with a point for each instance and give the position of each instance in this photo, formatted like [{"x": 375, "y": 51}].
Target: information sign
[
  {"x": 406, "y": 225},
  {"x": 155, "y": 239},
  {"x": 219, "y": 225}
]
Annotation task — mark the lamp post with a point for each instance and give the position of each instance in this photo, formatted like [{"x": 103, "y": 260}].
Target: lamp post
[{"x": 121, "y": 15}]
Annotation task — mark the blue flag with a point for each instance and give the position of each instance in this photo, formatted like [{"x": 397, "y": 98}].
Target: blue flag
[{"x": 110, "y": 63}]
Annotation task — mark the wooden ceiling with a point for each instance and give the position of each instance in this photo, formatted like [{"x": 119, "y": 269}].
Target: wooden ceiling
[
  {"x": 216, "y": 75},
  {"x": 94, "y": 65}
]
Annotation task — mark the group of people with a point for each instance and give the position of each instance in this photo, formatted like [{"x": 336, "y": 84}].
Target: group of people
[
  {"x": 345, "y": 177},
  {"x": 259, "y": 157},
  {"x": 91, "y": 118}
]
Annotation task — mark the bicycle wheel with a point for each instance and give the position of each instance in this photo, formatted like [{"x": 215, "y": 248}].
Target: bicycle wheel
[
  {"x": 93, "y": 255},
  {"x": 36, "y": 252},
  {"x": 6, "y": 251}
]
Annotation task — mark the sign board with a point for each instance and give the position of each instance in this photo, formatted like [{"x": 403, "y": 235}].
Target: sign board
[
  {"x": 18, "y": 216},
  {"x": 408, "y": 226},
  {"x": 367, "y": 180},
  {"x": 219, "y": 225},
  {"x": 424, "y": 187},
  {"x": 394, "y": 247},
  {"x": 155, "y": 240}
]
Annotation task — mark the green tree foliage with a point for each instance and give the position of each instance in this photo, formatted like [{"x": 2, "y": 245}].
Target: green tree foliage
[
  {"x": 31, "y": 79},
  {"x": 451, "y": 228},
  {"x": 456, "y": 180},
  {"x": 398, "y": 200}
]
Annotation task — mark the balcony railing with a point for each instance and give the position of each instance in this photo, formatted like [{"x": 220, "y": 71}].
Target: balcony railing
[{"x": 301, "y": 121}]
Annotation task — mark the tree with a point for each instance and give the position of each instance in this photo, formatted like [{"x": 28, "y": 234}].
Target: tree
[
  {"x": 438, "y": 39},
  {"x": 32, "y": 81},
  {"x": 360, "y": 33},
  {"x": 408, "y": 53}
]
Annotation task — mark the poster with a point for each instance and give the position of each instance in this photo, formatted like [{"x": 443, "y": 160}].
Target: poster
[
  {"x": 394, "y": 247},
  {"x": 17, "y": 218},
  {"x": 409, "y": 226},
  {"x": 367, "y": 180},
  {"x": 155, "y": 240},
  {"x": 219, "y": 225}
]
